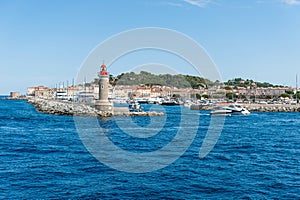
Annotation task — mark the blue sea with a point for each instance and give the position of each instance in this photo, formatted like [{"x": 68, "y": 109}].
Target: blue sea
[{"x": 44, "y": 157}]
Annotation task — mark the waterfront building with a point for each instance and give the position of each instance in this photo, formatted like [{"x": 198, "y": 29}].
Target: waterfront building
[
  {"x": 14, "y": 95},
  {"x": 41, "y": 92},
  {"x": 156, "y": 91},
  {"x": 61, "y": 95},
  {"x": 143, "y": 91},
  {"x": 123, "y": 91},
  {"x": 30, "y": 91}
]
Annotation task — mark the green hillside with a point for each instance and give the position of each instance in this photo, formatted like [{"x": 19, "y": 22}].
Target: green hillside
[{"x": 178, "y": 80}]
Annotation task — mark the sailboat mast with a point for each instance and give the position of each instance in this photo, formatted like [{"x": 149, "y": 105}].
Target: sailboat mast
[
  {"x": 296, "y": 89},
  {"x": 232, "y": 91}
]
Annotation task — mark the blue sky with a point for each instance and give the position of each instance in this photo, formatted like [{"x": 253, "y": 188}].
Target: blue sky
[{"x": 45, "y": 42}]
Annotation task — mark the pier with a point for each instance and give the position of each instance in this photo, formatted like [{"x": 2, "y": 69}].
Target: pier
[{"x": 79, "y": 109}]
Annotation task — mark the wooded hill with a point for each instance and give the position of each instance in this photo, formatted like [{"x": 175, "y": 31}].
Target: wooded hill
[
  {"x": 180, "y": 81},
  {"x": 239, "y": 82},
  {"x": 146, "y": 78}
]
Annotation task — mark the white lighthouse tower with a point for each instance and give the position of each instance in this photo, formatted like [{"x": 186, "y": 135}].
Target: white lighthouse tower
[{"x": 103, "y": 104}]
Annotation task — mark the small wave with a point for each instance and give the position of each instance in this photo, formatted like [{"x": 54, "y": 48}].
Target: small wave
[{"x": 203, "y": 114}]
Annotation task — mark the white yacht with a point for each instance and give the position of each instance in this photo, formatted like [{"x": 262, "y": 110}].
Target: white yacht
[
  {"x": 237, "y": 109},
  {"x": 221, "y": 112},
  {"x": 154, "y": 100},
  {"x": 233, "y": 109}
]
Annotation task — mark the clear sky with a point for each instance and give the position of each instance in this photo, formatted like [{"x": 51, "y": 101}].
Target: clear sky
[{"x": 45, "y": 42}]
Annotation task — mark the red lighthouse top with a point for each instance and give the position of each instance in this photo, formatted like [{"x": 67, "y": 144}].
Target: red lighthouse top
[{"x": 103, "y": 71}]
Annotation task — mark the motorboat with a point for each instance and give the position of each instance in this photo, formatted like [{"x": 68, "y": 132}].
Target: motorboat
[
  {"x": 135, "y": 107},
  {"x": 141, "y": 100},
  {"x": 237, "y": 109},
  {"x": 170, "y": 102},
  {"x": 233, "y": 109},
  {"x": 155, "y": 100},
  {"x": 221, "y": 112}
]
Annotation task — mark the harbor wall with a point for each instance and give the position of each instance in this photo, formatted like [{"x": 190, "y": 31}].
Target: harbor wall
[
  {"x": 272, "y": 107},
  {"x": 80, "y": 109},
  {"x": 261, "y": 107}
]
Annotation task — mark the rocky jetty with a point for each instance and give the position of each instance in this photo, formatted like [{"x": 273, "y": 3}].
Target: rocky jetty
[
  {"x": 79, "y": 109},
  {"x": 262, "y": 107},
  {"x": 272, "y": 108}
]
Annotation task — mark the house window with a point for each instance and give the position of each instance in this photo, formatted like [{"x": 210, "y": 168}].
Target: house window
[{"x": 102, "y": 86}]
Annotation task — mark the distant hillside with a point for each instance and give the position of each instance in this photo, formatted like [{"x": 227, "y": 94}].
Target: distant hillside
[
  {"x": 239, "y": 82},
  {"x": 179, "y": 80}
]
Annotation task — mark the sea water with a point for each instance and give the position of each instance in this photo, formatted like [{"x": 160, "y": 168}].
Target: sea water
[{"x": 42, "y": 156}]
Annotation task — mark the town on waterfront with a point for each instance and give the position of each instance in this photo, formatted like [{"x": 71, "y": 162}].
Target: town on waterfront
[
  {"x": 142, "y": 99},
  {"x": 179, "y": 89}
]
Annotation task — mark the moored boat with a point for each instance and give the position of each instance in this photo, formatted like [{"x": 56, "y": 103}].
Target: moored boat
[
  {"x": 170, "y": 102},
  {"x": 233, "y": 109},
  {"x": 135, "y": 107}
]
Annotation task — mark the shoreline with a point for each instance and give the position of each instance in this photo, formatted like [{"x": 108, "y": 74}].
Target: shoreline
[
  {"x": 11, "y": 98},
  {"x": 65, "y": 108}
]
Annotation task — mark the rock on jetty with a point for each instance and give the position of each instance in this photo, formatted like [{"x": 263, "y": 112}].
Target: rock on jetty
[{"x": 79, "y": 109}]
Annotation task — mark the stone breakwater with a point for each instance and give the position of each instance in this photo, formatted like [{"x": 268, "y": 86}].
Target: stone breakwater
[
  {"x": 262, "y": 108},
  {"x": 79, "y": 109},
  {"x": 272, "y": 108}
]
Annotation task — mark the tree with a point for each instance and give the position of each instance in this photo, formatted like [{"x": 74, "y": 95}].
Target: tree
[
  {"x": 269, "y": 96},
  {"x": 176, "y": 96},
  {"x": 298, "y": 95},
  {"x": 243, "y": 97},
  {"x": 112, "y": 80},
  {"x": 198, "y": 96},
  {"x": 205, "y": 96},
  {"x": 284, "y": 95},
  {"x": 229, "y": 95},
  {"x": 289, "y": 92},
  {"x": 227, "y": 88},
  {"x": 87, "y": 84}
]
